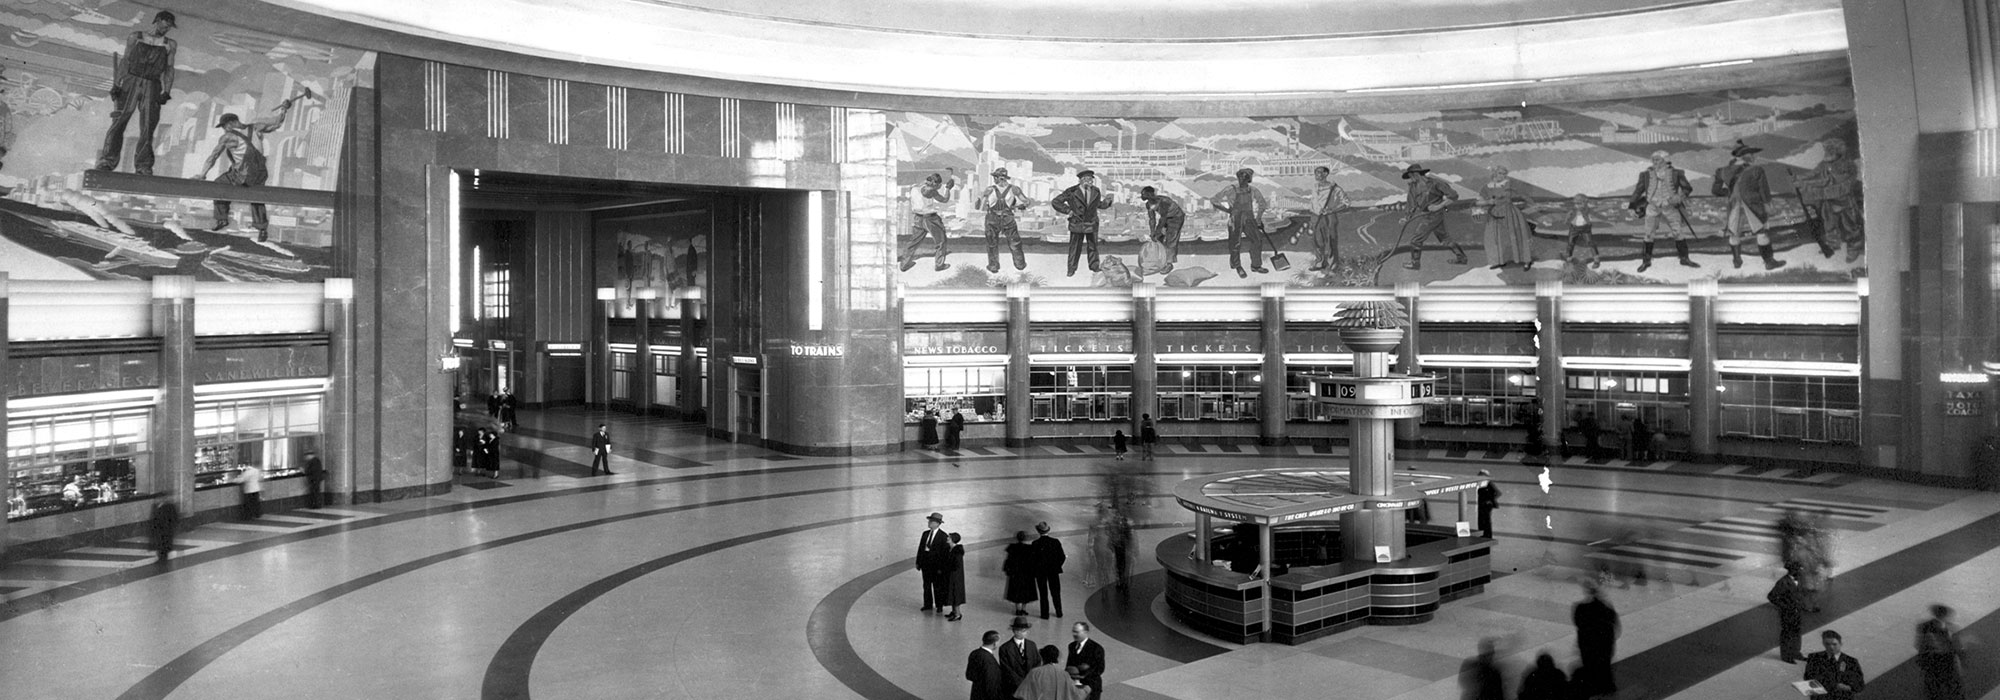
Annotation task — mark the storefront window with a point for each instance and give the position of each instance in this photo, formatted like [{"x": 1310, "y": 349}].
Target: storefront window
[
  {"x": 1611, "y": 396},
  {"x": 1210, "y": 392},
  {"x": 271, "y": 433},
  {"x": 1783, "y": 407},
  {"x": 666, "y": 383},
  {"x": 978, "y": 393},
  {"x": 1488, "y": 396},
  {"x": 1080, "y": 392},
  {"x": 622, "y": 366},
  {"x": 65, "y": 462}
]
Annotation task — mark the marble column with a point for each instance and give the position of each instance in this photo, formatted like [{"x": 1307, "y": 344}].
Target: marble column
[
  {"x": 1550, "y": 383},
  {"x": 607, "y": 304},
  {"x": 1145, "y": 360},
  {"x": 1019, "y": 409},
  {"x": 1864, "y": 398},
  {"x": 1272, "y": 409},
  {"x": 1704, "y": 408},
  {"x": 4, "y": 390},
  {"x": 688, "y": 365},
  {"x": 642, "y": 369},
  {"x": 1371, "y": 467},
  {"x": 173, "y": 419},
  {"x": 337, "y": 427},
  {"x": 1410, "y": 360}
]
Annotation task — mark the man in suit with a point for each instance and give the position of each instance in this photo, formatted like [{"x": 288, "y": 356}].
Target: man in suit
[
  {"x": 1838, "y": 673},
  {"x": 1786, "y": 596},
  {"x": 1080, "y": 203},
  {"x": 1049, "y": 558},
  {"x": 934, "y": 560},
  {"x": 600, "y": 450},
  {"x": 1019, "y": 655},
  {"x": 315, "y": 480},
  {"x": 1087, "y": 658},
  {"x": 1749, "y": 192},
  {"x": 1489, "y": 501},
  {"x": 982, "y": 667}
]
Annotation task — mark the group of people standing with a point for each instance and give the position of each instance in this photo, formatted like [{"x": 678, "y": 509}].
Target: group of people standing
[
  {"x": 1017, "y": 669},
  {"x": 1033, "y": 569},
  {"x": 475, "y": 451},
  {"x": 928, "y": 435}
]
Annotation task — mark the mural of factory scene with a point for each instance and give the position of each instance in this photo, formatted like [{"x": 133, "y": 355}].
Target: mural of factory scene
[
  {"x": 1748, "y": 185},
  {"x": 123, "y": 127}
]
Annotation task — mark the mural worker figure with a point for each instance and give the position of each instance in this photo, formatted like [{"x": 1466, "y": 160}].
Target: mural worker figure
[
  {"x": 928, "y": 203},
  {"x": 143, "y": 81},
  {"x": 1000, "y": 200},
  {"x": 1427, "y": 200},
  {"x": 1327, "y": 201},
  {"x": 1749, "y": 190},
  {"x": 1581, "y": 230},
  {"x": 1164, "y": 217},
  {"x": 1245, "y": 206},
  {"x": 1081, "y": 203},
  {"x": 245, "y": 166},
  {"x": 1661, "y": 196},
  {"x": 1832, "y": 196}
]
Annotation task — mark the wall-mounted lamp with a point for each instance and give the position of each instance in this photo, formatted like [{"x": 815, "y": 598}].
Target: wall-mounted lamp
[
  {"x": 449, "y": 362},
  {"x": 607, "y": 293}
]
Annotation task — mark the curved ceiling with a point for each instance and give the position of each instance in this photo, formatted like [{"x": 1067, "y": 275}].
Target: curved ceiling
[{"x": 1123, "y": 49}]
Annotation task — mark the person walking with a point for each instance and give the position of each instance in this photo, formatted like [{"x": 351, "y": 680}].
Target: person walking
[
  {"x": 164, "y": 524},
  {"x": 954, "y": 582},
  {"x": 252, "y": 480},
  {"x": 1148, "y": 436},
  {"x": 600, "y": 450},
  {"x": 1018, "y": 655},
  {"x": 933, "y": 560},
  {"x": 1118, "y": 441},
  {"x": 1048, "y": 681},
  {"x": 1597, "y": 632},
  {"x": 1941, "y": 656},
  {"x": 1086, "y": 660},
  {"x": 1479, "y": 678},
  {"x": 1489, "y": 501},
  {"x": 1019, "y": 568},
  {"x": 315, "y": 480},
  {"x": 1049, "y": 559},
  {"x": 1839, "y": 674},
  {"x": 1786, "y": 595},
  {"x": 982, "y": 669}
]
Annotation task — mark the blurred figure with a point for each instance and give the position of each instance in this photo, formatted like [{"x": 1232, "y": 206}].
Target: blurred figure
[
  {"x": 1048, "y": 681},
  {"x": 1838, "y": 673},
  {"x": 1019, "y": 567},
  {"x": 1545, "y": 682},
  {"x": 927, "y": 430},
  {"x": 953, "y": 429},
  {"x": 1118, "y": 441},
  {"x": 1941, "y": 656},
  {"x": 1785, "y": 596},
  {"x": 1480, "y": 678},
  {"x": 1148, "y": 436},
  {"x": 1805, "y": 543},
  {"x": 1489, "y": 501},
  {"x": 165, "y": 523},
  {"x": 1597, "y": 632}
]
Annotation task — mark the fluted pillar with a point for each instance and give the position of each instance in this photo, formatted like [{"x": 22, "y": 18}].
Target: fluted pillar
[
  {"x": 1550, "y": 384},
  {"x": 1704, "y": 406},
  {"x": 173, "y": 418},
  {"x": 645, "y": 300},
  {"x": 1145, "y": 350},
  {"x": 1018, "y": 407},
  {"x": 689, "y": 364},
  {"x": 4, "y": 304},
  {"x": 1272, "y": 410}
]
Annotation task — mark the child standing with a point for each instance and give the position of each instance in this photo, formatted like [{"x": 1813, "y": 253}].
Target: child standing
[
  {"x": 1118, "y": 443},
  {"x": 1580, "y": 230}
]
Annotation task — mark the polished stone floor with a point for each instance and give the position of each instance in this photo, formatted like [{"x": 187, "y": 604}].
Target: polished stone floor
[{"x": 704, "y": 569}]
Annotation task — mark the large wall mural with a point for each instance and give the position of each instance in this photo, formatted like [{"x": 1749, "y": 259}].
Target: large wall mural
[
  {"x": 661, "y": 253},
  {"x": 1526, "y": 177},
  {"x": 73, "y": 69}
]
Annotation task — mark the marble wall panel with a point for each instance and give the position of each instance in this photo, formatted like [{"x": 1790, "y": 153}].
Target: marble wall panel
[
  {"x": 585, "y": 161},
  {"x": 645, "y": 121},
  {"x": 413, "y": 399},
  {"x": 525, "y": 156},
  {"x": 816, "y": 129},
  {"x": 528, "y": 108},
  {"x": 586, "y": 115},
  {"x": 757, "y": 130},
  {"x": 465, "y": 100},
  {"x": 466, "y": 150},
  {"x": 703, "y": 123},
  {"x": 402, "y": 94}
]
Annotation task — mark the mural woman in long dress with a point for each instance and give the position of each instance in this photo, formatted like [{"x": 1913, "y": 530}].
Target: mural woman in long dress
[{"x": 1506, "y": 229}]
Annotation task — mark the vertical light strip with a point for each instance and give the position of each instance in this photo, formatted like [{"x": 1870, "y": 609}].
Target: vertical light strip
[
  {"x": 732, "y": 127},
  {"x": 496, "y": 104},
  {"x": 434, "y": 101},
  {"x": 1986, "y": 152},
  {"x": 614, "y": 118},
  {"x": 558, "y": 111},
  {"x": 478, "y": 289},
  {"x": 451, "y": 223},
  {"x": 676, "y": 123},
  {"x": 815, "y": 260}
]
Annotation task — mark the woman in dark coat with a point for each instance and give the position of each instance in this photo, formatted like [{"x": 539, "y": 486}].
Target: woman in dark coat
[
  {"x": 927, "y": 430},
  {"x": 165, "y": 522},
  {"x": 1545, "y": 681},
  {"x": 1020, "y": 569},
  {"x": 955, "y": 582}
]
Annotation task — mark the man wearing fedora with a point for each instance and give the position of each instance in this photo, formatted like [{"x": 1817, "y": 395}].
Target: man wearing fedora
[
  {"x": 1019, "y": 655},
  {"x": 1427, "y": 200},
  {"x": 1081, "y": 203},
  {"x": 1749, "y": 192},
  {"x": 1245, "y": 205},
  {"x": 934, "y": 560},
  {"x": 245, "y": 165},
  {"x": 143, "y": 80},
  {"x": 1000, "y": 200},
  {"x": 1661, "y": 197}
]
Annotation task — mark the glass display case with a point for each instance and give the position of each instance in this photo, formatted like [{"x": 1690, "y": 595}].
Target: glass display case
[
  {"x": 75, "y": 460},
  {"x": 978, "y": 393},
  {"x": 273, "y": 433}
]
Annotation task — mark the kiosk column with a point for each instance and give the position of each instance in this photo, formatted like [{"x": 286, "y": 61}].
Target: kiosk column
[
  {"x": 1550, "y": 384},
  {"x": 1704, "y": 411},
  {"x": 1019, "y": 409},
  {"x": 1271, "y": 393}
]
